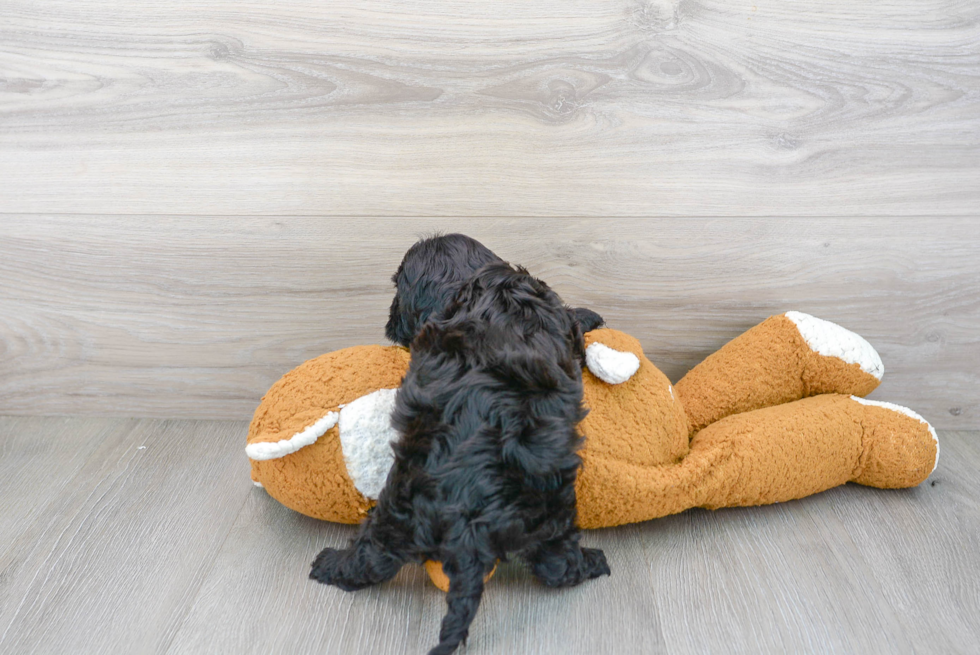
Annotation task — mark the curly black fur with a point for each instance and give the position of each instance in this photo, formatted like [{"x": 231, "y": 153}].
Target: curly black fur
[
  {"x": 486, "y": 461},
  {"x": 430, "y": 275}
]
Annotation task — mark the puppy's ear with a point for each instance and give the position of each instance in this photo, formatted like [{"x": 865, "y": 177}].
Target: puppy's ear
[
  {"x": 398, "y": 329},
  {"x": 577, "y": 340},
  {"x": 587, "y": 319}
]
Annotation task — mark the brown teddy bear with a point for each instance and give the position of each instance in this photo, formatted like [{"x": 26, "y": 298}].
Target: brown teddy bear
[{"x": 777, "y": 414}]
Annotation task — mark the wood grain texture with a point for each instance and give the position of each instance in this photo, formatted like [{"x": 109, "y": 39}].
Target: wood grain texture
[
  {"x": 39, "y": 460},
  {"x": 259, "y": 579},
  {"x": 171, "y": 550},
  {"x": 851, "y": 570},
  {"x": 114, "y": 561},
  {"x": 551, "y": 108},
  {"x": 197, "y": 317},
  {"x": 34, "y": 471},
  {"x": 261, "y": 573}
]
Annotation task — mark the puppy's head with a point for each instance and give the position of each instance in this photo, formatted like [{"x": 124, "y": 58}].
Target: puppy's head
[{"x": 428, "y": 278}]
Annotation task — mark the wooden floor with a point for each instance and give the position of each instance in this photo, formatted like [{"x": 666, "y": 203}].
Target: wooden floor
[{"x": 147, "y": 536}]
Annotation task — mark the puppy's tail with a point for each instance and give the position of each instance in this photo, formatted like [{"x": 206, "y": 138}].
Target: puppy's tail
[{"x": 465, "y": 591}]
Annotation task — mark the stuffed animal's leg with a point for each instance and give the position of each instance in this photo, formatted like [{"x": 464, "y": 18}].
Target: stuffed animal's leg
[
  {"x": 784, "y": 358},
  {"x": 794, "y": 450},
  {"x": 765, "y": 456}
]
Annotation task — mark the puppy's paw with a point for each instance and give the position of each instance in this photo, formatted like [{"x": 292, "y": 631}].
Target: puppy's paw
[
  {"x": 359, "y": 566},
  {"x": 571, "y": 567},
  {"x": 330, "y": 566},
  {"x": 325, "y": 565},
  {"x": 594, "y": 563}
]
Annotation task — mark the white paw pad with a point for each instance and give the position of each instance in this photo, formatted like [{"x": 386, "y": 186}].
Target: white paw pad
[{"x": 831, "y": 340}]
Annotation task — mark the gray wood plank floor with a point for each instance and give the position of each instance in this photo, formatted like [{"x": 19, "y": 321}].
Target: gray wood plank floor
[{"x": 146, "y": 536}]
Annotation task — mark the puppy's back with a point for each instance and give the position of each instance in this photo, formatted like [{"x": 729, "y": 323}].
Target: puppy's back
[{"x": 492, "y": 398}]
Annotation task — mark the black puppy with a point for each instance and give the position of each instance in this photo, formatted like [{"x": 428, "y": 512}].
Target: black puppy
[
  {"x": 486, "y": 461},
  {"x": 431, "y": 273}
]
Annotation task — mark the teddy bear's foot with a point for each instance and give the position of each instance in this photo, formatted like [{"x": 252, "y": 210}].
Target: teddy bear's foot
[
  {"x": 832, "y": 340},
  {"x": 901, "y": 449},
  {"x": 441, "y": 580}
]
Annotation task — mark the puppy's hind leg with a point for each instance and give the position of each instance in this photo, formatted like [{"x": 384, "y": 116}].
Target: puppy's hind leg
[
  {"x": 361, "y": 565},
  {"x": 562, "y": 562}
]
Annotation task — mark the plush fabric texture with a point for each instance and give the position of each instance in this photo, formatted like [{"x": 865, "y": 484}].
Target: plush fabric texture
[
  {"x": 315, "y": 480},
  {"x": 610, "y": 365},
  {"x": 767, "y": 456},
  {"x": 365, "y": 438},
  {"x": 263, "y": 450},
  {"x": 897, "y": 453},
  {"x": 633, "y": 424},
  {"x": 831, "y": 340},
  {"x": 765, "y": 419},
  {"x": 770, "y": 364},
  {"x": 439, "y": 577}
]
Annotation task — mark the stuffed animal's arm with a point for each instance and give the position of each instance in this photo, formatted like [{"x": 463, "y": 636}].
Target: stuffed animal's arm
[
  {"x": 766, "y": 456},
  {"x": 784, "y": 358}
]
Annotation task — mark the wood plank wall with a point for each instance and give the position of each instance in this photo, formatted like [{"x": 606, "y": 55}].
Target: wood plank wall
[
  {"x": 450, "y": 107},
  {"x": 196, "y": 317},
  {"x": 197, "y": 195}
]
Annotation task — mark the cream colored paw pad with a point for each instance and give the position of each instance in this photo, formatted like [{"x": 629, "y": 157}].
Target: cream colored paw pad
[{"x": 831, "y": 340}]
